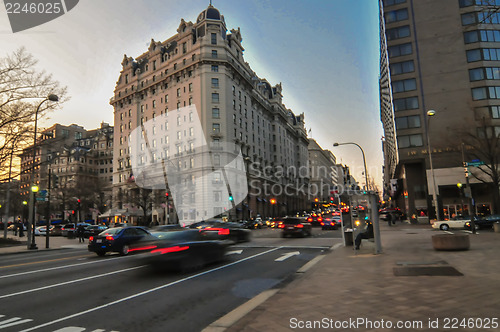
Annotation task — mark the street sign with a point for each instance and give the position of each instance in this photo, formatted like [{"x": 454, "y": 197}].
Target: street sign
[
  {"x": 475, "y": 163},
  {"x": 42, "y": 199},
  {"x": 42, "y": 193}
]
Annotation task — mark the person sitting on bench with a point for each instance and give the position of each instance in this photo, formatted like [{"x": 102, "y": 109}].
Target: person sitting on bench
[{"x": 367, "y": 234}]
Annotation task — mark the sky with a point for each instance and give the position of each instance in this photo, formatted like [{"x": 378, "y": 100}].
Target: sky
[{"x": 324, "y": 52}]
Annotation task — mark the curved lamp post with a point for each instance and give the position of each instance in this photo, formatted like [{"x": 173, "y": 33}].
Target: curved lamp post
[
  {"x": 364, "y": 159},
  {"x": 32, "y": 245},
  {"x": 431, "y": 113}
]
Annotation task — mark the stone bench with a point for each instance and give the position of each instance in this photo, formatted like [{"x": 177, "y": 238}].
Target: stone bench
[{"x": 451, "y": 242}]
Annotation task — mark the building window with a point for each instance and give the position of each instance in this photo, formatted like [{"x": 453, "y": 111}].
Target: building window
[
  {"x": 482, "y": 36},
  {"x": 215, "y": 82},
  {"x": 409, "y": 141},
  {"x": 393, "y": 2},
  {"x": 190, "y": 87},
  {"x": 178, "y": 92},
  {"x": 214, "y": 54},
  {"x": 495, "y": 112},
  {"x": 190, "y": 101},
  {"x": 215, "y": 113},
  {"x": 154, "y": 103},
  {"x": 399, "y": 50},
  {"x": 214, "y": 38},
  {"x": 402, "y": 104},
  {"x": 479, "y": 94},
  {"x": 216, "y": 128},
  {"x": 404, "y": 85},
  {"x": 407, "y": 122},
  {"x": 402, "y": 67},
  {"x": 215, "y": 68},
  {"x": 399, "y": 32},
  {"x": 489, "y": 73},
  {"x": 215, "y": 97},
  {"x": 396, "y": 15}
]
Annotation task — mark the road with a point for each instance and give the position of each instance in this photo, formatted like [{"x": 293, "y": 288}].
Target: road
[{"x": 73, "y": 290}]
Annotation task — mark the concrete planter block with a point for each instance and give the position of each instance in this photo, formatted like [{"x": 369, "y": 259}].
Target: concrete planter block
[
  {"x": 496, "y": 227},
  {"x": 451, "y": 242}
]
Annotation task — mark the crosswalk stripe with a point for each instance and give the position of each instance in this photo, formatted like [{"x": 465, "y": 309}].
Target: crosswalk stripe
[{"x": 14, "y": 321}]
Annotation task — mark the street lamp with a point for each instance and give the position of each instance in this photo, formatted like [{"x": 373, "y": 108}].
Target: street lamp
[
  {"x": 431, "y": 113},
  {"x": 31, "y": 217},
  {"x": 364, "y": 159}
]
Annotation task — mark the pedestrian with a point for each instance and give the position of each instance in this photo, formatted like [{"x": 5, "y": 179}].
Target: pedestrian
[
  {"x": 367, "y": 234},
  {"x": 80, "y": 230},
  {"x": 388, "y": 218}
]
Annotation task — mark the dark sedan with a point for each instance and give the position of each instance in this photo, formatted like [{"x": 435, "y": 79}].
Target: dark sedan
[
  {"x": 330, "y": 223},
  {"x": 235, "y": 232},
  {"x": 295, "y": 226},
  {"x": 118, "y": 240},
  {"x": 182, "y": 250},
  {"x": 485, "y": 222}
]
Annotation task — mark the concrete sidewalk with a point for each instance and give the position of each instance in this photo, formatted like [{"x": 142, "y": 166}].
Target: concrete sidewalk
[
  {"x": 349, "y": 291},
  {"x": 55, "y": 242}
]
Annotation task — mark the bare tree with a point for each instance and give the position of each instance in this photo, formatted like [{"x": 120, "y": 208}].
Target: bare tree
[
  {"x": 21, "y": 88},
  {"x": 484, "y": 145}
]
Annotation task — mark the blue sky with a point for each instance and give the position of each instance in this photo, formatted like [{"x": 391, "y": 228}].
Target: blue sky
[{"x": 324, "y": 52}]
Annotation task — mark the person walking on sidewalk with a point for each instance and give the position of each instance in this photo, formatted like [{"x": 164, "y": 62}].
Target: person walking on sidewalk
[
  {"x": 389, "y": 218},
  {"x": 367, "y": 234},
  {"x": 80, "y": 230}
]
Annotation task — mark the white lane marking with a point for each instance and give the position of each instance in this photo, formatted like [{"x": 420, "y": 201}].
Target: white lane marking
[
  {"x": 57, "y": 268},
  {"x": 287, "y": 255},
  {"x": 71, "y": 329},
  {"x": 12, "y": 322},
  {"x": 237, "y": 252},
  {"x": 449, "y": 232},
  {"x": 71, "y": 282},
  {"x": 146, "y": 292}
]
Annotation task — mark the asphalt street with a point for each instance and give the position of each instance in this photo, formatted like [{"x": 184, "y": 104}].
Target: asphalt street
[{"x": 74, "y": 290}]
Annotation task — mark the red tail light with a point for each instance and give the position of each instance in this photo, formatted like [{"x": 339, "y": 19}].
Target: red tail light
[
  {"x": 224, "y": 231},
  {"x": 110, "y": 238},
  {"x": 281, "y": 226},
  {"x": 320, "y": 219},
  {"x": 299, "y": 226},
  {"x": 332, "y": 223},
  {"x": 91, "y": 239},
  {"x": 142, "y": 248},
  {"x": 309, "y": 219},
  {"x": 322, "y": 224},
  {"x": 169, "y": 250}
]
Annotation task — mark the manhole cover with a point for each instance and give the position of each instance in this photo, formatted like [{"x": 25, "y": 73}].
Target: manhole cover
[{"x": 413, "y": 271}]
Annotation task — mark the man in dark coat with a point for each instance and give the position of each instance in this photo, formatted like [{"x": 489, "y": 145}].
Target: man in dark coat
[
  {"x": 367, "y": 234},
  {"x": 80, "y": 230}
]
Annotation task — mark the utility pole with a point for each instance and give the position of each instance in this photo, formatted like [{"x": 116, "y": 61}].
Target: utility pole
[{"x": 472, "y": 206}]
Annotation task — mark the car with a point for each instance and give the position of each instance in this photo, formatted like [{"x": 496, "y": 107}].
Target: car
[
  {"x": 185, "y": 249},
  {"x": 166, "y": 228},
  {"x": 235, "y": 232},
  {"x": 42, "y": 230},
  {"x": 485, "y": 222},
  {"x": 295, "y": 226},
  {"x": 56, "y": 230},
  {"x": 93, "y": 230},
  {"x": 253, "y": 224},
  {"x": 330, "y": 223},
  {"x": 457, "y": 222},
  {"x": 118, "y": 239}
]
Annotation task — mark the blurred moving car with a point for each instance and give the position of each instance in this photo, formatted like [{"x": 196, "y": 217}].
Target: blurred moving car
[
  {"x": 235, "y": 232},
  {"x": 182, "y": 250},
  {"x": 167, "y": 228},
  {"x": 93, "y": 230},
  {"x": 118, "y": 239},
  {"x": 484, "y": 223},
  {"x": 295, "y": 226},
  {"x": 330, "y": 223}
]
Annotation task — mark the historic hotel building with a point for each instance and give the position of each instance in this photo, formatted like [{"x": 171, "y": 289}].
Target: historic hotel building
[{"x": 202, "y": 66}]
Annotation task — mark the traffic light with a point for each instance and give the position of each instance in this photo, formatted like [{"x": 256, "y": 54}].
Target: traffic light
[
  {"x": 55, "y": 181},
  {"x": 167, "y": 195},
  {"x": 273, "y": 200},
  {"x": 230, "y": 198},
  {"x": 316, "y": 200},
  {"x": 331, "y": 199}
]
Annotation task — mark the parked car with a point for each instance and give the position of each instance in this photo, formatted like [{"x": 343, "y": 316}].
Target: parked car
[
  {"x": 56, "y": 230},
  {"x": 295, "y": 226},
  {"x": 182, "y": 250},
  {"x": 485, "y": 222},
  {"x": 42, "y": 230},
  {"x": 457, "y": 222},
  {"x": 93, "y": 230},
  {"x": 118, "y": 239},
  {"x": 70, "y": 229}
]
